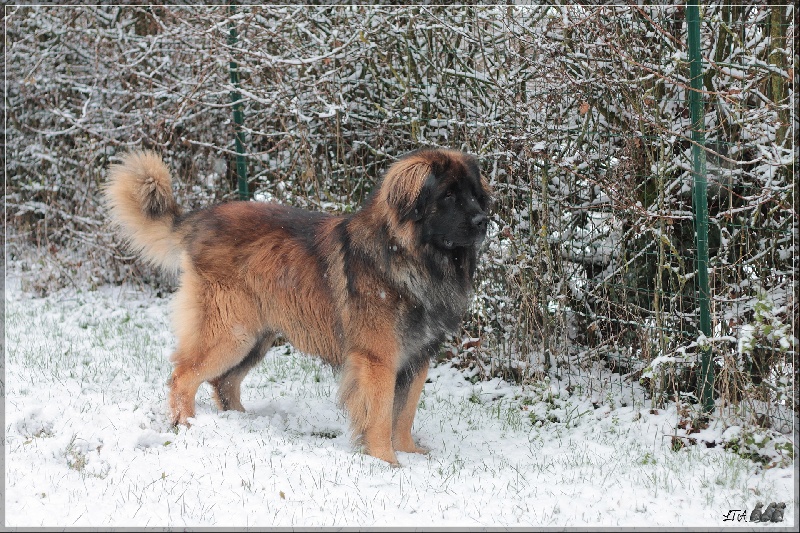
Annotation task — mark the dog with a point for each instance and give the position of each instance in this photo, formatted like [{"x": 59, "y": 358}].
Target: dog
[{"x": 374, "y": 292}]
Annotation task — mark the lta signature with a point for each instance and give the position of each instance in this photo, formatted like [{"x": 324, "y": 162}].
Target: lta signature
[{"x": 773, "y": 513}]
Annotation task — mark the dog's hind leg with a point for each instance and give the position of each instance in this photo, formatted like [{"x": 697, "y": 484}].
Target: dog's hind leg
[
  {"x": 216, "y": 331},
  {"x": 227, "y": 387},
  {"x": 202, "y": 362}
]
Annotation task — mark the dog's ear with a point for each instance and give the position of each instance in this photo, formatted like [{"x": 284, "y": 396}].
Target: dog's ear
[
  {"x": 407, "y": 185},
  {"x": 426, "y": 194},
  {"x": 439, "y": 162},
  {"x": 486, "y": 194},
  {"x": 486, "y": 189}
]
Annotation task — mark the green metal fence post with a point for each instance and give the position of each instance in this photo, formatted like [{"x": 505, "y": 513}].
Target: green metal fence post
[
  {"x": 238, "y": 115},
  {"x": 706, "y": 383}
]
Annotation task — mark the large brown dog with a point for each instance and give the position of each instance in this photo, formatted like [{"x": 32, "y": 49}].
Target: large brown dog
[{"x": 375, "y": 292}]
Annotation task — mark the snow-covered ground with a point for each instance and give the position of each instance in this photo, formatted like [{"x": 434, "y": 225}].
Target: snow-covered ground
[{"x": 87, "y": 442}]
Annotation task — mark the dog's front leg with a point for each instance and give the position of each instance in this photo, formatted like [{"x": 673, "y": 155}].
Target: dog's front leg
[
  {"x": 367, "y": 392},
  {"x": 407, "y": 393}
]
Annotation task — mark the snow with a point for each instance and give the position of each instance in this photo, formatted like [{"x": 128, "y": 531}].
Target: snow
[{"x": 88, "y": 444}]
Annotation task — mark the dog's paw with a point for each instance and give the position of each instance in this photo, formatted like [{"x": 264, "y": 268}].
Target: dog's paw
[
  {"x": 181, "y": 420},
  {"x": 415, "y": 449},
  {"x": 387, "y": 455},
  {"x": 411, "y": 447}
]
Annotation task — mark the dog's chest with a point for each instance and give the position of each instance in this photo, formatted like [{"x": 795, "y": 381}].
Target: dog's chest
[{"x": 428, "y": 322}]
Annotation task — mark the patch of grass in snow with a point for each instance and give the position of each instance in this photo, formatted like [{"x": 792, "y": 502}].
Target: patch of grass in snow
[
  {"x": 284, "y": 364},
  {"x": 611, "y": 450},
  {"x": 509, "y": 414},
  {"x": 464, "y": 413},
  {"x": 77, "y": 457},
  {"x": 77, "y": 340},
  {"x": 544, "y": 407}
]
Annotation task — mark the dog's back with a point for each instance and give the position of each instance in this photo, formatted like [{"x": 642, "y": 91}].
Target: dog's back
[{"x": 275, "y": 256}]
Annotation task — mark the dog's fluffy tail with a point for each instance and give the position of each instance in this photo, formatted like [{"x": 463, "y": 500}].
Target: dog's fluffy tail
[{"x": 139, "y": 197}]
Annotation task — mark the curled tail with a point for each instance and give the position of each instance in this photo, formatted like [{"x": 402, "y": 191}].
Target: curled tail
[{"x": 139, "y": 197}]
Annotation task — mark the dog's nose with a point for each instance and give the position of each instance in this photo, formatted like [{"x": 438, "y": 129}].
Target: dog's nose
[{"x": 480, "y": 220}]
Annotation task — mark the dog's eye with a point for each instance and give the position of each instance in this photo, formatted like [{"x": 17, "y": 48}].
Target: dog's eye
[{"x": 448, "y": 195}]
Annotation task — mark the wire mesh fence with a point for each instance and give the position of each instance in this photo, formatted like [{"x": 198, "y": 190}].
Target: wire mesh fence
[{"x": 579, "y": 115}]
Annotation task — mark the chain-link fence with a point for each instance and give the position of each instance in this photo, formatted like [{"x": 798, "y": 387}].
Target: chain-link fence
[{"x": 579, "y": 115}]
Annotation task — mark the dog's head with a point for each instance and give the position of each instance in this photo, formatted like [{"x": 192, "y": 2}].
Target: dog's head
[{"x": 442, "y": 193}]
